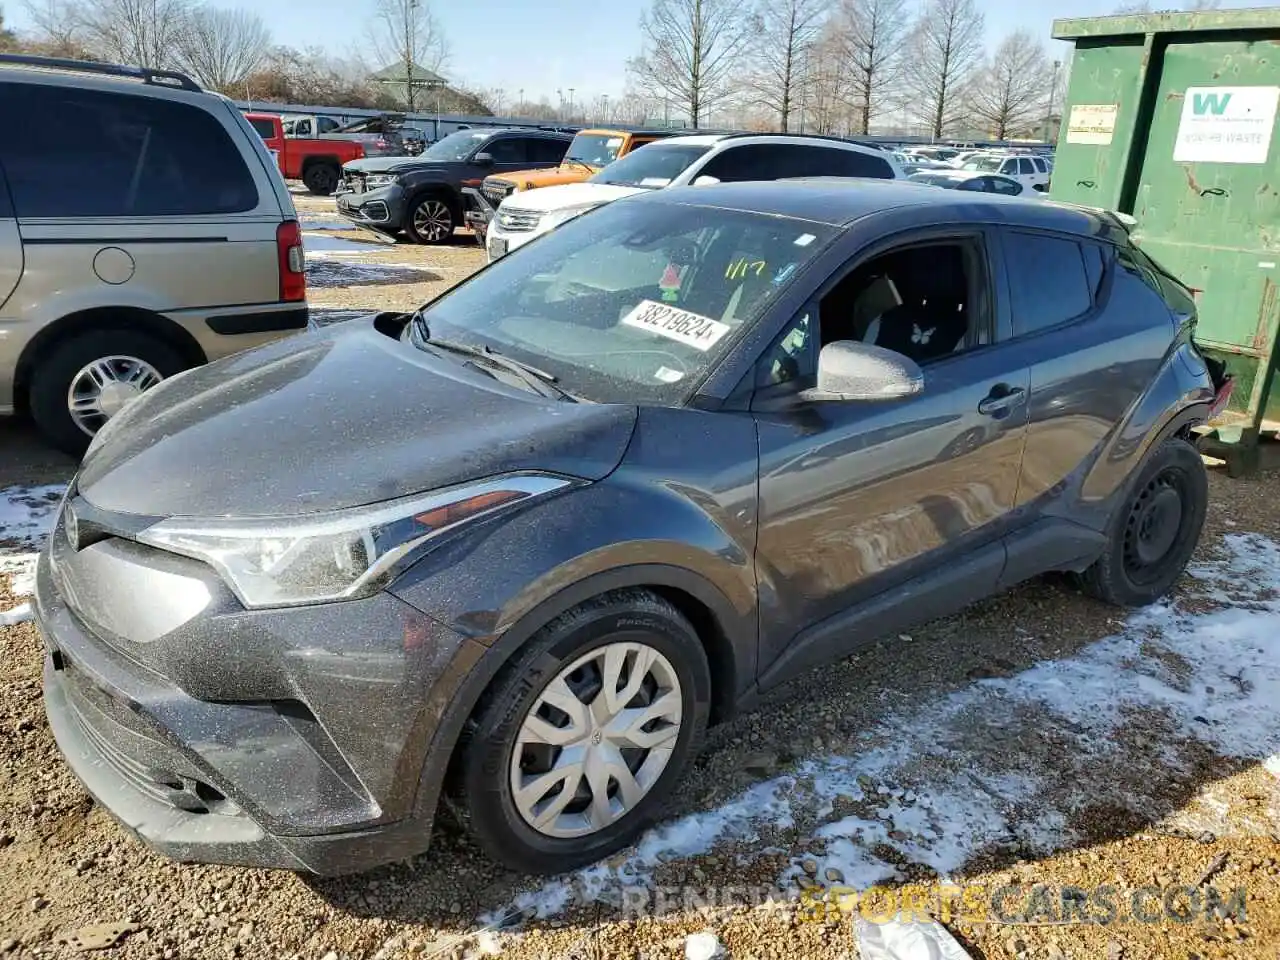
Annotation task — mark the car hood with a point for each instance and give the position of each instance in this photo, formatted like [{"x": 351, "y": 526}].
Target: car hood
[
  {"x": 547, "y": 177},
  {"x": 331, "y": 419},
  {"x": 569, "y": 195},
  {"x": 387, "y": 164}
]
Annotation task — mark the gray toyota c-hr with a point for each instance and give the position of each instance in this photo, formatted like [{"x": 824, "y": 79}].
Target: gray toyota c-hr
[{"x": 525, "y": 544}]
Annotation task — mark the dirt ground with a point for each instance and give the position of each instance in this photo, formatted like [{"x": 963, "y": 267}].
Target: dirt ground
[{"x": 1203, "y": 820}]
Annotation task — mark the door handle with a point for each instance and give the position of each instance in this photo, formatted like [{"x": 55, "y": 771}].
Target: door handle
[{"x": 1000, "y": 400}]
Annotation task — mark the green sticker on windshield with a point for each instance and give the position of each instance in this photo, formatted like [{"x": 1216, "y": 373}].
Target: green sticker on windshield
[{"x": 670, "y": 283}]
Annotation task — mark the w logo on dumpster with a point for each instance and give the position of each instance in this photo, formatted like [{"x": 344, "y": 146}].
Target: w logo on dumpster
[{"x": 1212, "y": 103}]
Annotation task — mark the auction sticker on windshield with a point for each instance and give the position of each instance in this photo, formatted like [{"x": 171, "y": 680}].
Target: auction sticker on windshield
[{"x": 691, "y": 329}]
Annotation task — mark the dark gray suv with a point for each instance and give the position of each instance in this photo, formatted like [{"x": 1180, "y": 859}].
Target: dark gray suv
[{"x": 524, "y": 545}]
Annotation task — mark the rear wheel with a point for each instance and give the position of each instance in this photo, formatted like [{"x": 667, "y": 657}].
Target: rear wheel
[
  {"x": 1156, "y": 529},
  {"x": 84, "y": 381},
  {"x": 430, "y": 221},
  {"x": 321, "y": 178},
  {"x": 585, "y": 734}
]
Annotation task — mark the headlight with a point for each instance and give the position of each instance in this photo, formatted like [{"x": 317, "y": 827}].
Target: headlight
[
  {"x": 555, "y": 218},
  {"x": 376, "y": 180},
  {"x": 342, "y": 555}
]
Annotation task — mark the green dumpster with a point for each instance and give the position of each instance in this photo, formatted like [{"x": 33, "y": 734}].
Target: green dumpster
[{"x": 1170, "y": 118}]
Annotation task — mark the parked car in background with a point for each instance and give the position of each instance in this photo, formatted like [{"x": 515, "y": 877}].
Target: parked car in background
[
  {"x": 422, "y": 196},
  {"x": 702, "y": 158},
  {"x": 670, "y": 457},
  {"x": 317, "y": 162},
  {"x": 916, "y": 165},
  {"x": 590, "y": 151},
  {"x": 380, "y": 136},
  {"x": 1030, "y": 171},
  {"x": 144, "y": 229},
  {"x": 941, "y": 154},
  {"x": 974, "y": 181}
]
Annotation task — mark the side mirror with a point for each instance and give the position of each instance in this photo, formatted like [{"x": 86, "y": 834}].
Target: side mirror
[
  {"x": 483, "y": 159},
  {"x": 848, "y": 370},
  {"x": 705, "y": 181}
]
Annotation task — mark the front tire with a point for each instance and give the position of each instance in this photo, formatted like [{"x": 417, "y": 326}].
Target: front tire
[
  {"x": 1155, "y": 530},
  {"x": 430, "y": 221},
  {"x": 583, "y": 737}
]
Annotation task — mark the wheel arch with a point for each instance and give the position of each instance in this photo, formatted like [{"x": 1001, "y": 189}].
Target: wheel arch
[
  {"x": 437, "y": 188},
  {"x": 99, "y": 318},
  {"x": 698, "y": 600}
]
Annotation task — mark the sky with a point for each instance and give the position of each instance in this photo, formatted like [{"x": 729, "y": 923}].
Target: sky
[{"x": 545, "y": 46}]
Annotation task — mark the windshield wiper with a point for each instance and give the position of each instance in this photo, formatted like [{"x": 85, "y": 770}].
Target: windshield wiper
[
  {"x": 541, "y": 381},
  {"x": 582, "y": 162}
]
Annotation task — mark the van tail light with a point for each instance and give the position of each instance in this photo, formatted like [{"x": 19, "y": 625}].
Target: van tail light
[{"x": 293, "y": 276}]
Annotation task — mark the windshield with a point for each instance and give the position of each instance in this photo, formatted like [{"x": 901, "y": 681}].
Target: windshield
[
  {"x": 985, "y": 164},
  {"x": 597, "y": 149},
  {"x": 653, "y": 165},
  {"x": 633, "y": 303},
  {"x": 456, "y": 146}
]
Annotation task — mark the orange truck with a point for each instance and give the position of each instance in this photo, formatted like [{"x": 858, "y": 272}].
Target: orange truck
[{"x": 590, "y": 152}]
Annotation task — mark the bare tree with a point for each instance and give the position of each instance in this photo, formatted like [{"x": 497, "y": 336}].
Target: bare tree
[
  {"x": 690, "y": 48},
  {"x": 1009, "y": 95},
  {"x": 221, "y": 47},
  {"x": 827, "y": 92},
  {"x": 945, "y": 51},
  {"x": 59, "y": 25},
  {"x": 7, "y": 38},
  {"x": 874, "y": 35},
  {"x": 785, "y": 33},
  {"x": 407, "y": 35},
  {"x": 143, "y": 32}
]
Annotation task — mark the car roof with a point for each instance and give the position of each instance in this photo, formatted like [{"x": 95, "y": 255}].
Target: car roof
[
  {"x": 839, "y": 201},
  {"x": 696, "y": 140}
]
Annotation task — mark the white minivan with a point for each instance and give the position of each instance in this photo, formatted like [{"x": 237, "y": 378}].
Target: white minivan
[{"x": 679, "y": 161}]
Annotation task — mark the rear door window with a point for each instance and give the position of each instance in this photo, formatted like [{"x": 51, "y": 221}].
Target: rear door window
[
  {"x": 546, "y": 150},
  {"x": 264, "y": 128},
  {"x": 1009, "y": 167},
  {"x": 86, "y": 153},
  {"x": 1049, "y": 280}
]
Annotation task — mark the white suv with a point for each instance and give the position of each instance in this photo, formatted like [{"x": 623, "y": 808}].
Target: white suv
[
  {"x": 679, "y": 161},
  {"x": 1030, "y": 171}
]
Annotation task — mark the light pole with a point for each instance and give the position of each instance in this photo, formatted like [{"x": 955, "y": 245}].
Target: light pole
[
  {"x": 604, "y": 107},
  {"x": 570, "y": 116},
  {"x": 1053, "y": 95}
]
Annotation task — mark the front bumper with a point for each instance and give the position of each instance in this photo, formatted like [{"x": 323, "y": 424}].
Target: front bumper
[
  {"x": 479, "y": 213},
  {"x": 380, "y": 209},
  {"x": 280, "y": 781},
  {"x": 499, "y": 241}
]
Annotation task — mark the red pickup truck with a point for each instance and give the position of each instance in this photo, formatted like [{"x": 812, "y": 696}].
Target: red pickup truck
[{"x": 316, "y": 162}]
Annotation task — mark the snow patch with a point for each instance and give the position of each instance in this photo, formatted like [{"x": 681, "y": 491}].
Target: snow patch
[
  {"x": 946, "y": 779},
  {"x": 26, "y": 514}
]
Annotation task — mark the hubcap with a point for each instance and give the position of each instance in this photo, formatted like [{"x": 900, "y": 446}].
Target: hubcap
[
  {"x": 596, "y": 740},
  {"x": 1153, "y": 525},
  {"x": 432, "y": 220},
  {"x": 102, "y": 389}
]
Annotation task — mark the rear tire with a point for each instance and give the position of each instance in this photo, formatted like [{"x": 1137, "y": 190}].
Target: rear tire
[
  {"x": 54, "y": 376},
  {"x": 321, "y": 178},
  {"x": 1154, "y": 531},
  {"x": 616, "y": 635}
]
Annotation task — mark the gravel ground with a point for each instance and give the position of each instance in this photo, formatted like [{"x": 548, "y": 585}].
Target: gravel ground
[{"x": 1145, "y": 804}]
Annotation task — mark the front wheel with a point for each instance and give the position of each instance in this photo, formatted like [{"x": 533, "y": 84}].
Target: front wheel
[
  {"x": 586, "y": 734},
  {"x": 430, "y": 221},
  {"x": 1155, "y": 531}
]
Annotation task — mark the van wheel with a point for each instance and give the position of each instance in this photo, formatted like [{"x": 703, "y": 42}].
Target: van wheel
[
  {"x": 585, "y": 734},
  {"x": 431, "y": 221},
  {"x": 321, "y": 178},
  {"x": 1155, "y": 530},
  {"x": 84, "y": 381}
]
